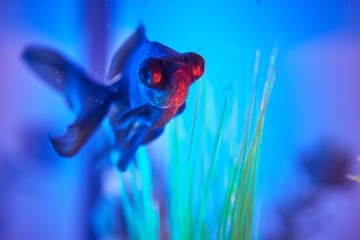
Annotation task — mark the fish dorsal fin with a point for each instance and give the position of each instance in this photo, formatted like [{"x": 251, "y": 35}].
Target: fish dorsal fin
[{"x": 123, "y": 54}]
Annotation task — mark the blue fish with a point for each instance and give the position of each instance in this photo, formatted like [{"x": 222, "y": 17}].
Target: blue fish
[{"x": 146, "y": 86}]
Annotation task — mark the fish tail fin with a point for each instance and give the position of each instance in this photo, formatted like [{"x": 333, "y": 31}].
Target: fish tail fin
[
  {"x": 88, "y": 100},
  {"x": 79, "y": 89}
]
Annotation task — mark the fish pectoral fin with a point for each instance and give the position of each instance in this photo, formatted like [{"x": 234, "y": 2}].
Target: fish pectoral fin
[
  {"x": 130, "y": 132},
  {"x": 78, "y": 133},
  {"x": 154, "y": 133},
  {"x": 123, "y": 54},
  {"x": 128, "y": 142}
]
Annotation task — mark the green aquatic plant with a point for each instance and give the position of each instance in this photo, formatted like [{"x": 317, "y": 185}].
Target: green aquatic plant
[{"x": 211, "y": 185}]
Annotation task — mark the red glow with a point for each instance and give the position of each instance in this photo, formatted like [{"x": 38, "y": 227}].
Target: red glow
[
  {"x": 197, "y": 72},
  {"x": 156, "y": 77}
]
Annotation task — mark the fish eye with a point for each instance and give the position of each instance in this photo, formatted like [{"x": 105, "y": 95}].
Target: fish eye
[
  {"x": 185, "y": 58},
  {"x": 151, "y": 72},
  {"x": 146, "y": 76}
]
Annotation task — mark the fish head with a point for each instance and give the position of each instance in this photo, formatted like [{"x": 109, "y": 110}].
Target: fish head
[{"x": 164, "y": 81}]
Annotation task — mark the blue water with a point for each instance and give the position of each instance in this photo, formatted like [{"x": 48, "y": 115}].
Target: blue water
[{"x": 314, "y": 103}]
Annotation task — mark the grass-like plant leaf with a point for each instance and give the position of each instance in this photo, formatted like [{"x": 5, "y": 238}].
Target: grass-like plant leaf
[{"x": 193, "y": 176}]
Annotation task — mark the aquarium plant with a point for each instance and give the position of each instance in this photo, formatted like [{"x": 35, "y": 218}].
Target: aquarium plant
[{"x": 209, "y": 195}]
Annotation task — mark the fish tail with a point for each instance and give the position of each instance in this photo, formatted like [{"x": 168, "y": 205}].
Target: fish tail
[
  {"x": 63, "y": 75},
  {"x": 88, "y": 100}
]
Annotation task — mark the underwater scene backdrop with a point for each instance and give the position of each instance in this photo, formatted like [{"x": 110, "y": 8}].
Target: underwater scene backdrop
[{"x": 266, "y": 148}]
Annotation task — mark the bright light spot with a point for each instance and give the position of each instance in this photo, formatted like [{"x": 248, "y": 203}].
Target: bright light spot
[
  {"x": 232, "y": 199},
  {"x": 354, "y": 177},
  {"x": 114, "y": 157},
  {"x": 111, "y": 183}
]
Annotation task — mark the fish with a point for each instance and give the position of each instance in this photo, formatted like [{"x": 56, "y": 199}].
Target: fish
[{"x": 147, "y": 85}]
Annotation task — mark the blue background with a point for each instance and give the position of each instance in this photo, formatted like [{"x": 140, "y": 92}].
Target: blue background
[{"x": 315, "y": 100}]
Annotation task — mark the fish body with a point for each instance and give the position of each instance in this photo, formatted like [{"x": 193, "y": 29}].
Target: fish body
[{"x": 146, "y": 86}]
